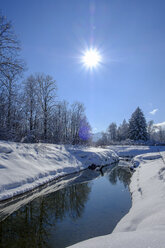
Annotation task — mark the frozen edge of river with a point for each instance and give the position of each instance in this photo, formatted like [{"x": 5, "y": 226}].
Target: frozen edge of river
[{"x": 144, "y": 225}]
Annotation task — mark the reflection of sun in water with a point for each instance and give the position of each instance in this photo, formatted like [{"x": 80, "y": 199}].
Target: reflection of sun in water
[{"x": 91, "y": 58}]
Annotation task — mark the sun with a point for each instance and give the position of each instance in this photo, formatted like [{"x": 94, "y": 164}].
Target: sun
[{"x": 91, "y": 58}]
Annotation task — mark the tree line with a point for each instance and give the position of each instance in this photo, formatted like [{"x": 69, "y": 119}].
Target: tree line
[
  {"x": 29, "y": 109},
  {"x": 136, "y": 130}
]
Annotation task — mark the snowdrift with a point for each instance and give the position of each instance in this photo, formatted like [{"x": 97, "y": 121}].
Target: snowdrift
[
  {"x": 24, "y": 167},
  {"x": 131, "y": 151}
]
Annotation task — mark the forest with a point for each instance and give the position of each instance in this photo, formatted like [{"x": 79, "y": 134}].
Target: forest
[{"x": 135, "y": 131}]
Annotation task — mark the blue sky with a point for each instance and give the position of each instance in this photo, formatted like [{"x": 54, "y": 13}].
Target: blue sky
[{"x": 130, "y": 36}]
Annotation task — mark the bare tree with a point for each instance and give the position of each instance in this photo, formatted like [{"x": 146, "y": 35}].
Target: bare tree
[
  {"x": 30, "y": 101},
  {"x": 10, "y": 88},
  {"x": 150, "y": 129},
  {"x": 46, "y": 96},
  {"x": 2, "y": 112},
  {"x": 77, "y": 114},
  {"x": 8, "y": 103},
  {"x": 60, "y": 122},
  {"x": 9, "y": 51},
  {"x": 11, "y": 68},
  {"x": 161, "y": 134}
]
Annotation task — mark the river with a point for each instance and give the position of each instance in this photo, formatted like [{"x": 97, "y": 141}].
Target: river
[{"x": 66, "y": 211}]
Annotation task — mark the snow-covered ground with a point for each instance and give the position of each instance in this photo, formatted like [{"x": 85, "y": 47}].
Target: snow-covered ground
[
  {"x": 131, "y": 151},
  {"x": 144, "y": 225},
  {"x": 24, "y": 167}
]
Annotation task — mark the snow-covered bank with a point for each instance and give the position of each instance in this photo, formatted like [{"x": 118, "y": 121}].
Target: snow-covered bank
[
  {"x": 144, "y": 225},
  {"x": 131, "y": 151},
  {"x": 26, "y": 166}
]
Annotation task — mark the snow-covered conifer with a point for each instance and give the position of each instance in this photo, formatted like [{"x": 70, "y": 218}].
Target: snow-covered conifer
[
  {"x": 122, "y": 131},
  {"x": 112, "y": 131},
  {"x": 138, "y": 126}
]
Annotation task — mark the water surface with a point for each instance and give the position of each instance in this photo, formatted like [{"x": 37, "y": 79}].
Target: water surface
[{"x": 67, "y": 211}]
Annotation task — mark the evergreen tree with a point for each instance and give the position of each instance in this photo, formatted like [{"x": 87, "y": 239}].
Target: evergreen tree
[
  {"x": 138, "y": 126},
  {"x": 122, "y": 131},
  {"x": 112, "y": 131}
]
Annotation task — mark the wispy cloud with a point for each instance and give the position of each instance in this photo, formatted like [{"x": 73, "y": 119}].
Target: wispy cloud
[{"x": 153, "y": 112}]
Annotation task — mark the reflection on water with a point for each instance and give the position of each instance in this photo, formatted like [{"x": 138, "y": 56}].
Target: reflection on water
[
  {"x": 30, "y": 226},
  {"x": 9, "y": 206},
  {"x": 74, "y": 208},
  {"x": 120, "y": 173}
]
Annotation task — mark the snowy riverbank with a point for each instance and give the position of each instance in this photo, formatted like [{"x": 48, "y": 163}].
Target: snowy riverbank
[
  {"x": 132, "y": 151},
  {"x": 24, "y": 167},
  {"x": 144, "y": 225}
]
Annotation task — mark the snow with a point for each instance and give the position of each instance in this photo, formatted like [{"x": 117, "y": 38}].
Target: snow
[
  {"x": 131, "y": 151},
  {"x": 9, "y": 206},
  {"x": 24, "y": 167},
  {"x": 160, "y": 125},
  {"x": 144, "y": 225}
]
